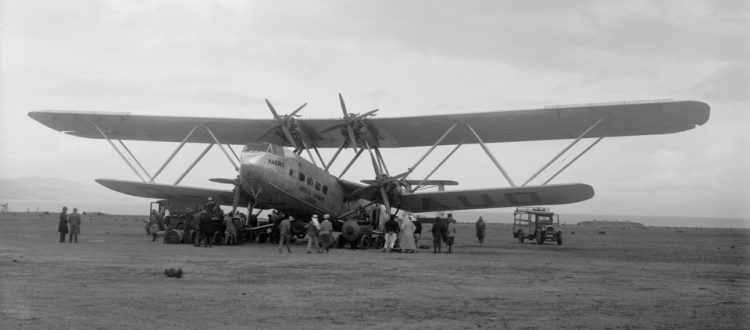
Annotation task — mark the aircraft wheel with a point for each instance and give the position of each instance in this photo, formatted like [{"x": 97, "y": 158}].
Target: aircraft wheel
[{"x": 539, "y": 237}]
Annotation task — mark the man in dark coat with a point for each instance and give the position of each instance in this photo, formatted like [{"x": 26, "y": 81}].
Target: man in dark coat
[
  {"x": 206, "y": 229},
  {"x": 62, "y": 225},
  {"x": 391, "y": 233},
  {"x": 74, "y": 222},
  {"x": 417, "y": 231},
  {"x": 439, "y": 233},
  {"x": 480, "y": 229}
]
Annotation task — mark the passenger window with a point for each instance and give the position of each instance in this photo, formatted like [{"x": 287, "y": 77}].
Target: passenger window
[
  {"x": 309, "y": 181},
  {"x": 317, "y": 185},
  {"x": 302, "y": 176},
  {"x": 325, "y": 190}
]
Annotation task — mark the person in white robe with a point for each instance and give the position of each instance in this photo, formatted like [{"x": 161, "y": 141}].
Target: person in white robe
[{"x": 406, "y": 236}]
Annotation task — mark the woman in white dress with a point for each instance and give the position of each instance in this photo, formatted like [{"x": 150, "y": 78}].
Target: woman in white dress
[{"x": 406, "y": 236}]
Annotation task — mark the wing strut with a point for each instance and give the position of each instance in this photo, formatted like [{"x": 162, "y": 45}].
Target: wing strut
[
  {"x": 190, "y": 168},
  {"x": 125, "y": 159},
  {"x": 152, "y": 178},
  {"x": 427, "y": 177},
  {"x": 489, "y": 154},
  {"x": 174, "y": 153},
  {"x": 583, "y": 134},
  {"x": 573, "y": 160},
  {"x": 124, "y": 146}
]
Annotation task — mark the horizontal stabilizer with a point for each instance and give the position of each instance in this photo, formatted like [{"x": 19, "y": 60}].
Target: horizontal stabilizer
[
  {"x": 497, "y": 197},
  {"x": 224, "y": 181},
  {"x": 424, "y": 183}
]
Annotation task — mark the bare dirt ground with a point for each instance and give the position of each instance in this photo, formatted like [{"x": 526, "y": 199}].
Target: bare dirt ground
[{"x": 626, "y": 278}]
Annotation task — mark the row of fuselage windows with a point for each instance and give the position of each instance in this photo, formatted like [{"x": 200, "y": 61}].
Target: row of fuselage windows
[{"x": 310, "y": 182}]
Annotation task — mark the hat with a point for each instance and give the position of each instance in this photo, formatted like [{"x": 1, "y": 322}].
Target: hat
[
  {"x": 326, "y": 216},
  {"x": 210, "y": 199},
  {"x": 315, "y": 216}
]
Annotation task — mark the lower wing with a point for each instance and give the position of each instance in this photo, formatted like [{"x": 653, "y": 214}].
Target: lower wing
[
  {"x": 492, "y": 198},
  {"x": 171, "y": 192}
]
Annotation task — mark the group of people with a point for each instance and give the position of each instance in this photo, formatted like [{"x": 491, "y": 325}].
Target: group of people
[
  {"x": 404, "y": 231},
  {"x": 69, "y": 225},
  {"x": 319, "y": 234}
]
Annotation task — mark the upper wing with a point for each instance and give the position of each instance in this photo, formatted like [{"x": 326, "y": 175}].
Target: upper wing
[
  {"x": 495, "y": 126},
  {"x": 492, "y": 198}
]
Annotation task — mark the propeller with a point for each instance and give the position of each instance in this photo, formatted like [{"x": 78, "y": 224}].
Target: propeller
[
  {"x": 285, "y": 123},
  {"x": 353, "y": 123}
]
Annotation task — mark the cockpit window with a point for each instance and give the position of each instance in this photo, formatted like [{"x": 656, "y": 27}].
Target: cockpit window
[{"x": 264, "y": 147}]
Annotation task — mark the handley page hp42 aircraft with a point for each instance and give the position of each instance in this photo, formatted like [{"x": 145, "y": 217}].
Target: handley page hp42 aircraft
[{"x": 272, "y": 172}]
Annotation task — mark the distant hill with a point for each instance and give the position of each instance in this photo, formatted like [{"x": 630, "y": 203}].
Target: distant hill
[
  {"x": 611, "y": 224},
  {"x": 506, "y": 216},
  {"x": 50, "y": 194}
]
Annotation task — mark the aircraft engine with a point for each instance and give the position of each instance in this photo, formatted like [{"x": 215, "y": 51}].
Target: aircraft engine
[{"x": 350, "y": 230}]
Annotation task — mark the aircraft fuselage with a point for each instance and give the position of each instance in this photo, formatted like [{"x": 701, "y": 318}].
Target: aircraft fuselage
[{"x": 286, "y": 181}]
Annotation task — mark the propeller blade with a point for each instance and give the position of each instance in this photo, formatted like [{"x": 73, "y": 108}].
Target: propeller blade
[
  {"x": 343, "y": 106},
  {"x": 288, "y": 136},
  {"x": 294, "y": 113},
  {"x": 386, "y": 202},
  {"x": 350, "y": 131},
  {"x": 273, "y": 111},
  {"x": 368, "y": 113}
]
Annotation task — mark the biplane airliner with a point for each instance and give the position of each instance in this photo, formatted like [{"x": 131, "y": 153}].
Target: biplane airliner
[{"x": 280, "y": 166}]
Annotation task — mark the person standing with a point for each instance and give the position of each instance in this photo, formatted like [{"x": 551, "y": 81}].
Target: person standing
[
  {"x": 62, "y": 225},
  {"x": 439, "y": 229},
  {"x": 275, "y": 218},
  {"x": 406, "y": 236},
  {"x": 285, "y": 233},
  {"x": 206, "y": 227},
  {"x": 230, "y": 231},
  {"x": 450, "y": 232},
  {"x": 417, "y": 230},
  {"x": 391, "y": 233},
  {"x": 326, "y": 233},
  {"x": 74, "y": 220},
  {"x": 313, "y": 227},
  {"x": 480, "y": 227}
]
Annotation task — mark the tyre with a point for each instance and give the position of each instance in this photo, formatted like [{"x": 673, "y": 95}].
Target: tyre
[
  {"x": 539, "y": 237},
  {"x": 558, "y": 237}
]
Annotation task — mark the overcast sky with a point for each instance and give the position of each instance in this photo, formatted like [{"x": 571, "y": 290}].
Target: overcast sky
[{"x": 221, "y": 58}]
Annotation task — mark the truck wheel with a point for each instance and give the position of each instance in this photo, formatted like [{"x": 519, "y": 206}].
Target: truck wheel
[
  {"x": 559, "y": 238},
  {"x": 539, "y": 237},
  {"x": 520, "y": 236}
]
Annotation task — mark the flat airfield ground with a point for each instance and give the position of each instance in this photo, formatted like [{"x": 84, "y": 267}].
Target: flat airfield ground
[{"x": 626, "y": 278}]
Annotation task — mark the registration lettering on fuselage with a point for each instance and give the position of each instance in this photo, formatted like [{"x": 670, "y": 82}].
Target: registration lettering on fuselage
[{"x": 276, "y": 162}]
